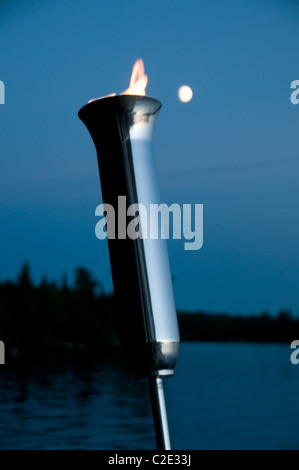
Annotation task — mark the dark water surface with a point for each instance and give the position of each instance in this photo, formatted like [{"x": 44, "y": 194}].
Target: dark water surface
[{"x": 223, "y": 396}]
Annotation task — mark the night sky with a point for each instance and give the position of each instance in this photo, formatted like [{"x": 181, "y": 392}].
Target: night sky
[{"x": 233, "y": 148}]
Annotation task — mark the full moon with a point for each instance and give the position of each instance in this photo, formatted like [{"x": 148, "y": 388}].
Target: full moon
[{"x": 185, "y": 93}]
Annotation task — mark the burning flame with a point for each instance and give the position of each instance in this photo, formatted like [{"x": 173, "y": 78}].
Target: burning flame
[
  {"x": 137, "y": 84},
  {"x": 138, "y": 80}
]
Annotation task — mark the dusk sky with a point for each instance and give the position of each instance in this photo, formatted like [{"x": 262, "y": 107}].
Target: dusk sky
[{"x": 232, "y": 148}]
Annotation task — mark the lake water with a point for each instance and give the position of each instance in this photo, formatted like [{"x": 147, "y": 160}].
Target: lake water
[{"x": 223, "y": 396}]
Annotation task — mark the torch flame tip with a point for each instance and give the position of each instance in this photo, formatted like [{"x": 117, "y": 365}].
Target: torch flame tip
[{"x": 138, "y": 82}]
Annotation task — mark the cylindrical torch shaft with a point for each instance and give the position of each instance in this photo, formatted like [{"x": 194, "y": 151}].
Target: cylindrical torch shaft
[
  {"x": 122, "y": 129},
  {"x": 159, "y": 413}
]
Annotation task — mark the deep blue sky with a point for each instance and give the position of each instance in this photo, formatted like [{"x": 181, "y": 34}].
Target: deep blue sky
[{"x": 234, "y": 147}]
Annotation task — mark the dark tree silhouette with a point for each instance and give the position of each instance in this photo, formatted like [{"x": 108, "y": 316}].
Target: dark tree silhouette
[{"x": 52, "y": 327}]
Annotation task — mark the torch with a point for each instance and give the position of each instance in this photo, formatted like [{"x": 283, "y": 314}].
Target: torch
[{"x": 122, "y": 127}]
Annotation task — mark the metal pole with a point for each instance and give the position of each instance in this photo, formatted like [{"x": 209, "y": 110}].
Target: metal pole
[
  {"x": 159, "y": 413},
  {"x": 122, "y": 129}
]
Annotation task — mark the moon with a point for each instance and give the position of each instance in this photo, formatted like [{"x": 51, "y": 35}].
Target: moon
[{"x": 185, "y": 93}]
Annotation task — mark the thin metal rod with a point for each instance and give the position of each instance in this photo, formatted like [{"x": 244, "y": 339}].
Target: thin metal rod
[{"x": 159, "y": 413}]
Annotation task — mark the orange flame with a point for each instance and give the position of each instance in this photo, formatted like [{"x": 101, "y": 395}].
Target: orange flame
[
  {"x": 138, "y": 80},
  {"x": 137, "y": 84}
]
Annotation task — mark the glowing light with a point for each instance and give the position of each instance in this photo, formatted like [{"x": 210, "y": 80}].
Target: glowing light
[
  {"x": 185, "y": 93},
  {"x": 137, "y": 84},
  {"x": 138, "y": 80}
]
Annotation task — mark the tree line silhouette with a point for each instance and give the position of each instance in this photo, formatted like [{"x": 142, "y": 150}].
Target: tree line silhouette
[{"x": 51, "y": 325}]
